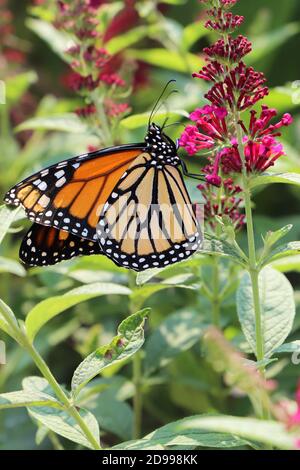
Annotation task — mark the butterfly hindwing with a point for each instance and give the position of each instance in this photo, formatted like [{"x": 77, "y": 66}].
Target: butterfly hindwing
[
  {"x": 44, "y": 246},
  {"x": 68, "y": 195},
  {"x": 148, "y": 221}
]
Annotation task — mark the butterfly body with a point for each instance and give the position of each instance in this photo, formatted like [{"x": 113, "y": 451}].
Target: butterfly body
[
  {"x": 128, "y": 202},
  {"x": 154, "y": 233}
]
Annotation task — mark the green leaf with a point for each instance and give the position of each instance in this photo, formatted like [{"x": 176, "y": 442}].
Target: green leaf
[
  {"x": 141, "y": 120},
  {"x": 277, "y": 309},
  {"x": 57, "y": 420},
  {"x": 17, "y": 85},
  {"x": 63, "y": 424},
  {"x": 62, "y": 122},
  {"x": 273, "y": 237},
  {"x": 266, "y": 432},
  {"x": 268, "y": 178},
  {"x": 282, "y": 251},
  {"x": 26, "y": 398},
  {"x": 272, "y": 40},
  {"x": 5, "y": 312},
  {"x": 292, "y": 347},
  {"x": 181, "y": 433},
  {"x": 11, "y": 266},
  {"x": 167, "y": 59},
  {"x": 145, "y": 276},
  {"x": 114, "y": 415},
  {"x": 58, "y": 40},
  {"x": 283, "y": 98},
  {"x": 177, "y": 333},
  {"x": 192, "y": 33},
  {"x": 129, "y": 339},
  {"x": 127, "y": 39},
  {"x": 144, "y": 292},
  {"x": 217, "y": 246},
  {"x": 7, "y": 217},
  {"x": 49, "y": 308},
  {"x": 287, "y": 264}
]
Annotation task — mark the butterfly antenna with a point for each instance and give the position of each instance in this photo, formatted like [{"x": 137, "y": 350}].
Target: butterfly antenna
[
  {"x": 158, "y": 100},
  {"x": 164, "y": 104},
  {"x": 176, "y": 123}
]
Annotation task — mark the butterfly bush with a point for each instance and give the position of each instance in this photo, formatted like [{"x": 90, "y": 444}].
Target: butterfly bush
[
  {"x": 96, "y": 75},
  {"x": 235, "y": 90}
]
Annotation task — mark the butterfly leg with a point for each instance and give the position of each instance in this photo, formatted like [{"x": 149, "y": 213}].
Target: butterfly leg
[{"x": 191, "y": 175}]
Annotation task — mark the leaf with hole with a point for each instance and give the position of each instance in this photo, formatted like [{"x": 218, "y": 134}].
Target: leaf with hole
[
  {"x": 181, "y": 433},
  {"x": 129, "y": 339}
]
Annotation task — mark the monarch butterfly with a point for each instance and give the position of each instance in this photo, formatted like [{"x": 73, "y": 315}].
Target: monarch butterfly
[{"x": 92, "y": 204}]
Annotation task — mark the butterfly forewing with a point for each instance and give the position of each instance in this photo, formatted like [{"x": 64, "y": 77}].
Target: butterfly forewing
[
  {"x": 68, "y": 195},
  {"x": 148, "y": 220}
]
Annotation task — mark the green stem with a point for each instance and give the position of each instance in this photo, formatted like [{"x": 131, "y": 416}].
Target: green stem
[
  {"x": 254, "y": 273},
  {"x": 22, "y": 339},
  {"x": 55, "y": 441},
  {"x": 253, "y": 266},
  {"x": 215, "y": 291},
  {"x": 70, "y": 408},
  {"x": 137, "y": 374},
  {"x": 138, "y": 397}
]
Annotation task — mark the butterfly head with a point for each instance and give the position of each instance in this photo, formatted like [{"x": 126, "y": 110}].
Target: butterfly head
[{"x": 160, "y": 146}]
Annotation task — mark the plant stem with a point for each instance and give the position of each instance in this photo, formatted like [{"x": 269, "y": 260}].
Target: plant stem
[
  {"x": 252, "y": 268},
  {"x": 215, "y": 291},
  {"x": 137, "y": 374},
  {"x": 252, "y": 265},
  {"x": 55, "y": 441},
  {"x": 70, "y": 408},
  {"x": 254, "y": 273},
  {"x": 138, "y": 398}
]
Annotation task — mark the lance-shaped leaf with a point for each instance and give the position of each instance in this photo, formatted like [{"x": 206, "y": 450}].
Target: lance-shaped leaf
[
  {"x": 55, "y": 419},
  {"x": 265, "y": 432},
  {"x": 7, "y": 314},
  {"x": 49, "y": 308},
  {"x": 129, "y": 339},
  {"x": 181, "y": 434},
  {"x": 11, "y": 266},
  {"x": 268, "y": 178},
  {"x": 62, "y": 423},
  {"x": 27, "y": 398},
  {"x": 62, "y": 123},
  {"x": 282, "y": 251},
  {"x": 217, "y": 246},
  {"x": 7, "y": 217}
]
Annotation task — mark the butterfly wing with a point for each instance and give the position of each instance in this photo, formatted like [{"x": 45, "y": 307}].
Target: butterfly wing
[
  {"x": 68, "y": 195},
  {"x": 44, "y": 246},
  {"x": 148, "y": 220}
]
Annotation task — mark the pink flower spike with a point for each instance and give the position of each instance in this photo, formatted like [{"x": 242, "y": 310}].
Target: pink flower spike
[
  {"x": 221, "y": 113},
  {"x": 215, "y": 180},
  {"x": 287, "y": 119}
]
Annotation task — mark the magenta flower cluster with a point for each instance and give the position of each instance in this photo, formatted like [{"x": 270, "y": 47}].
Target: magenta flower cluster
[{"x": 235, "y": 89}]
